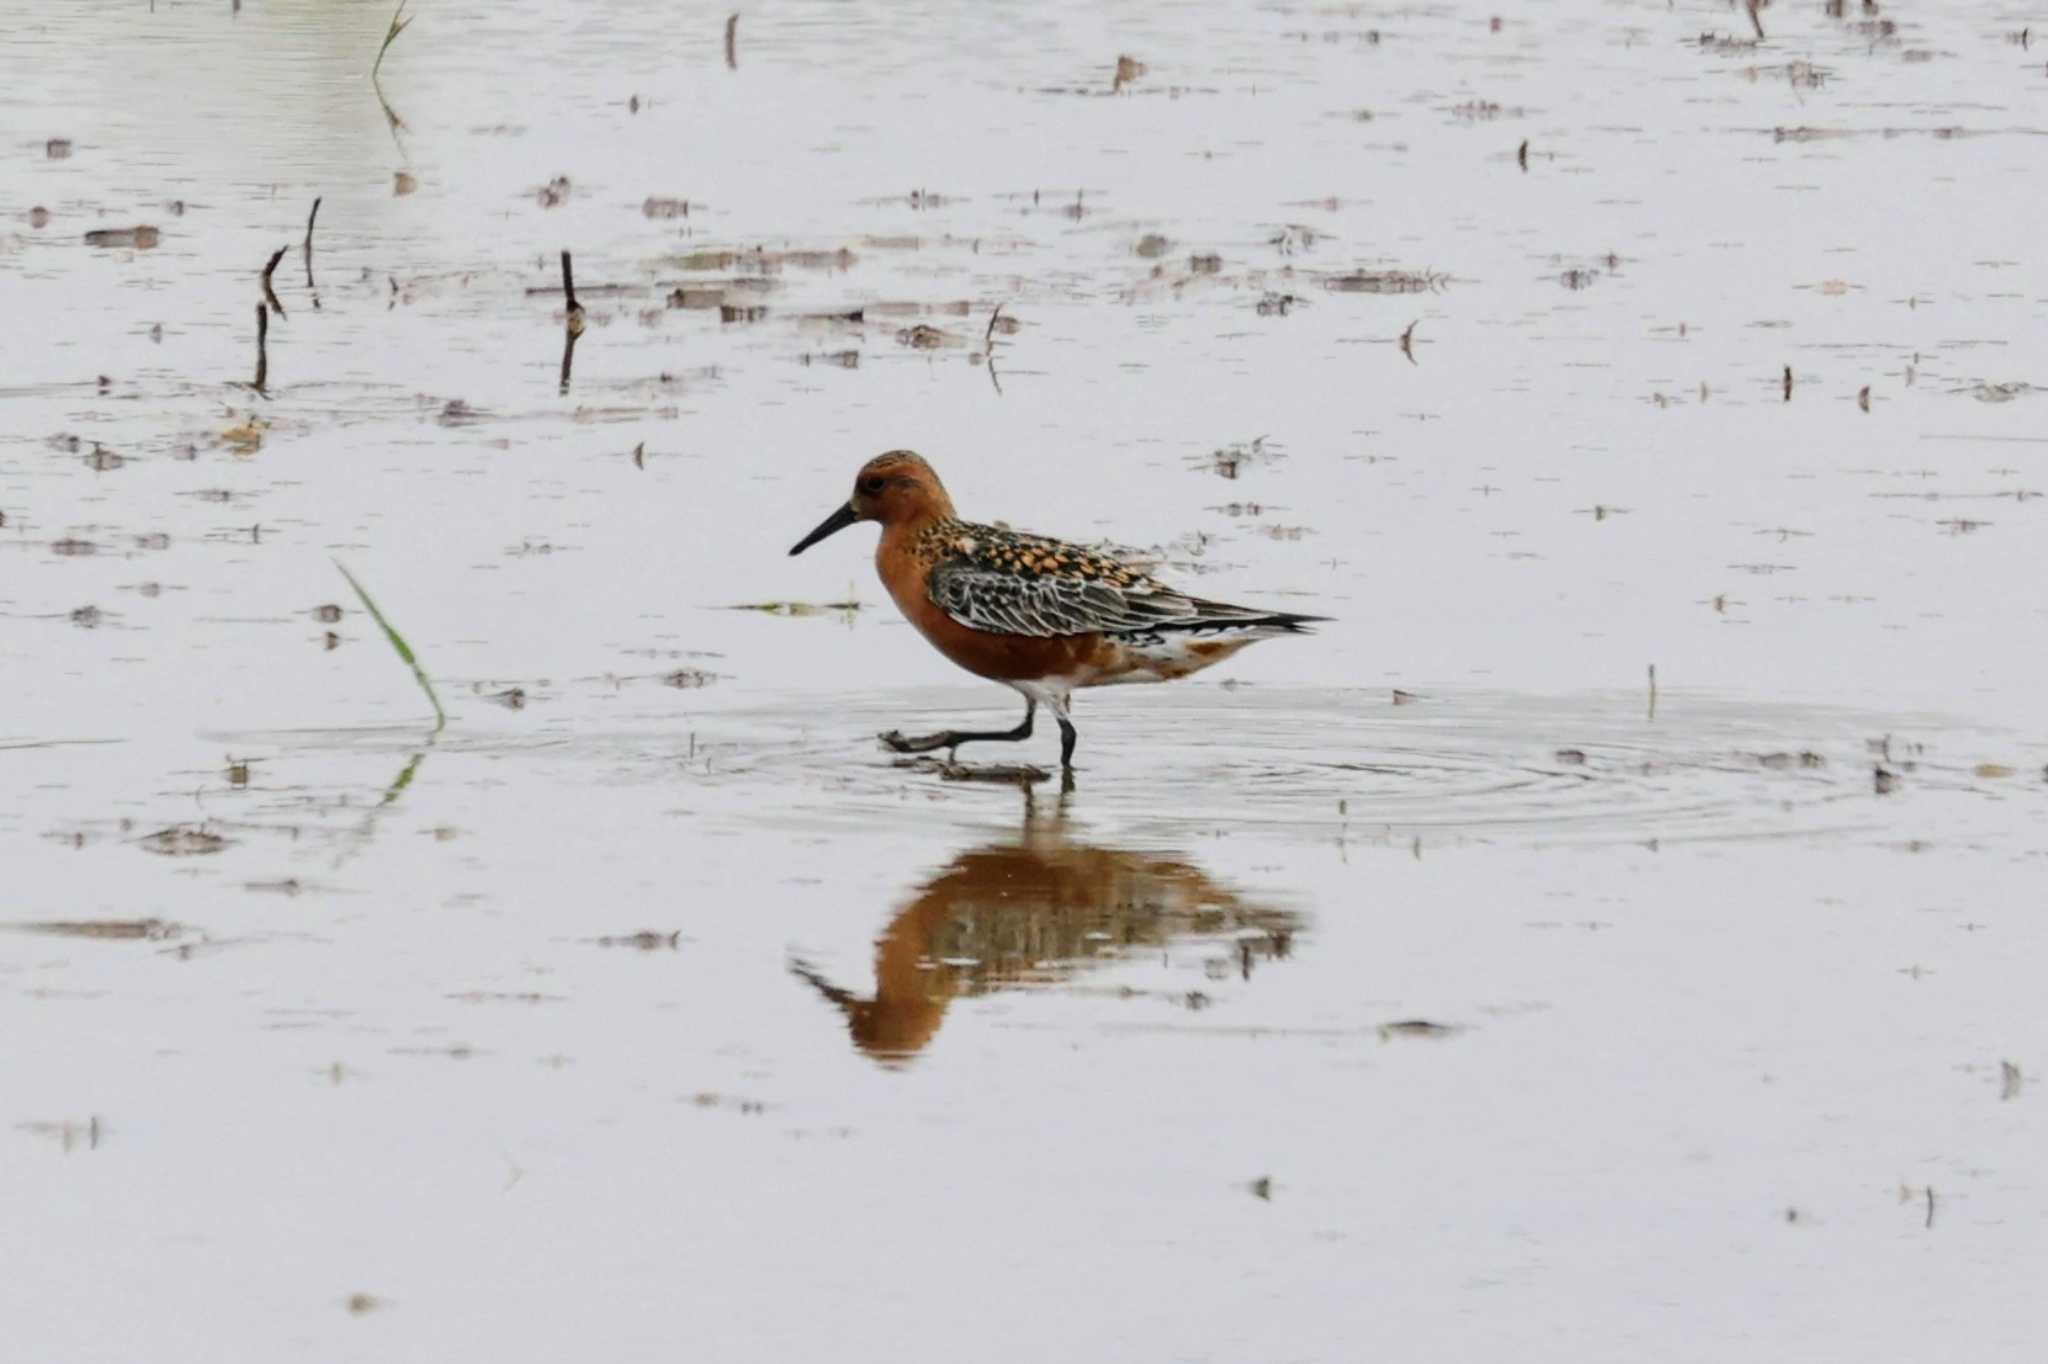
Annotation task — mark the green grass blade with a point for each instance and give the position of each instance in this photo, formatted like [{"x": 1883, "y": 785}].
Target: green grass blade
[
  {"x": 398, "y": 643},
  {"x": 398, "y": 26}
]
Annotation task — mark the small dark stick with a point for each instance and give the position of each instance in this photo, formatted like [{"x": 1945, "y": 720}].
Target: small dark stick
[
  {"x": 732, "y": 30},
  {"x": 1863, "y": 398},
  {"x": 309, "y": 247},
  {"x": 270, "y": 294},
  {"x": 262, "y": 350},
  {"x": 1522, "y": 154},
  {"x": 1788, "y": 383},
  {"x": 1755, "y": 22},
  {"x": 1408, "y": 341},
  {"x": 569, "y": 295},
  {"x": 988, "y": 337},
  {"x": 573, "y": 325}
]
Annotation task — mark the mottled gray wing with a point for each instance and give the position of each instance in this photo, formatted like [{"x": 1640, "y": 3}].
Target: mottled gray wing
[{"x": 1046, "y": 604}]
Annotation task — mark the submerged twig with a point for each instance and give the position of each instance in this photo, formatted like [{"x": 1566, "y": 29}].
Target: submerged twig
[
  {"x": 262, "y": 350},
  {"x": 988, "y": 346},
  {"x": 572, "y": 326},
  {"x": 269, "y": 293},
  {"x": 569, "y": 294},
  {"x": 310, "y": 286},
  {"x": 399, "y": 645}
]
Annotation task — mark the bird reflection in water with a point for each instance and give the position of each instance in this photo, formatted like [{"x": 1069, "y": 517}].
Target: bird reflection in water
[{"x": 1033, "y": 911}]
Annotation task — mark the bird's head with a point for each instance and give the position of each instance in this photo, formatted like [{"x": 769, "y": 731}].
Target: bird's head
[{"x": 894, "y": 489}]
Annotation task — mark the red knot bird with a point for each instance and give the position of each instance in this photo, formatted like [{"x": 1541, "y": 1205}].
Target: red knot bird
[{"x": 1042, "y": 616}]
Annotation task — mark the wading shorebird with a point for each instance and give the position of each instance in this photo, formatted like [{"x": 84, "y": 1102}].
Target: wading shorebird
[{"x": 1039, "y": 615}]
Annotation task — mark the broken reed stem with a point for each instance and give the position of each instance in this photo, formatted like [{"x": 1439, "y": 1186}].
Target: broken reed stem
[
  {"x": 732, "y": 30},
  {"x": 309, "y": 243},
  {"x": 262, "y": 349},
  {"x": 398, "y": 26},
  {"x": 269, "y": 293},
  {"x": 572, "y": 326},
  {"x": 1653, "y": 691},
  {"x": 399, "y": 645},
  {"x": 569, "y": 294}
]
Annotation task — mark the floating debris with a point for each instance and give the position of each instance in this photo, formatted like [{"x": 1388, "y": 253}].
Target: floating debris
[
  {"x": 1417, "y": 1027},
  {"x": 999, "y": 774},
  {"x": 141, "y": 237},
  {"x": 1152, "y": 246},
  {"x": 646, "y": 940},
  {"x": 689, "y": 679},
  {"x": 246, "y": 437},
  {"x": 1128, "y": 69},
  {"x": 925, "y": 337},
  {"x": 1386, "y": 282},
  {"x": 1227, "y": 461},
  {"x": 702, "y": 297},
  {"x": 2001, "y": 393},
  {"x": 104, "y": 930},
  {"x": 663, "y": 210},
  {"x": 184, "y": 840},
  {"x": 799, "y": 608}
]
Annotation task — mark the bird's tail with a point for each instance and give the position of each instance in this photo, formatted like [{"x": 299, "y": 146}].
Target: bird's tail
[{"x": 1211, "y": 615}]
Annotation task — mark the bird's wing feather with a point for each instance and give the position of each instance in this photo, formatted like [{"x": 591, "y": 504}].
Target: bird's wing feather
[{"x": 1014, "y": 584}]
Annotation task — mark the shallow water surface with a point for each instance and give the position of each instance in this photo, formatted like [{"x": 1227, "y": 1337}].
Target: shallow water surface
[{"x": 1615, "y": 936}]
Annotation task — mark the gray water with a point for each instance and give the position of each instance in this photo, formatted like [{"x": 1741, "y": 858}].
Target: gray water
[{"x": 650, "y": 1008}]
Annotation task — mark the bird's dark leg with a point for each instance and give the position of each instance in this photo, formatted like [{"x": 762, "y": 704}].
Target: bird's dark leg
[
  {"x": 953, "y": 738},
  {"x": 1067, "y": 738}
]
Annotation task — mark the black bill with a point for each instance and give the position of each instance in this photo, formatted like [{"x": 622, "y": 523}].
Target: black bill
[{"x": 831, "y": 525}]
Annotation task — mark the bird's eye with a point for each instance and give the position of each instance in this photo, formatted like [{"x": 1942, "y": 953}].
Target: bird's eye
[{"x": 872, "y": 484}]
